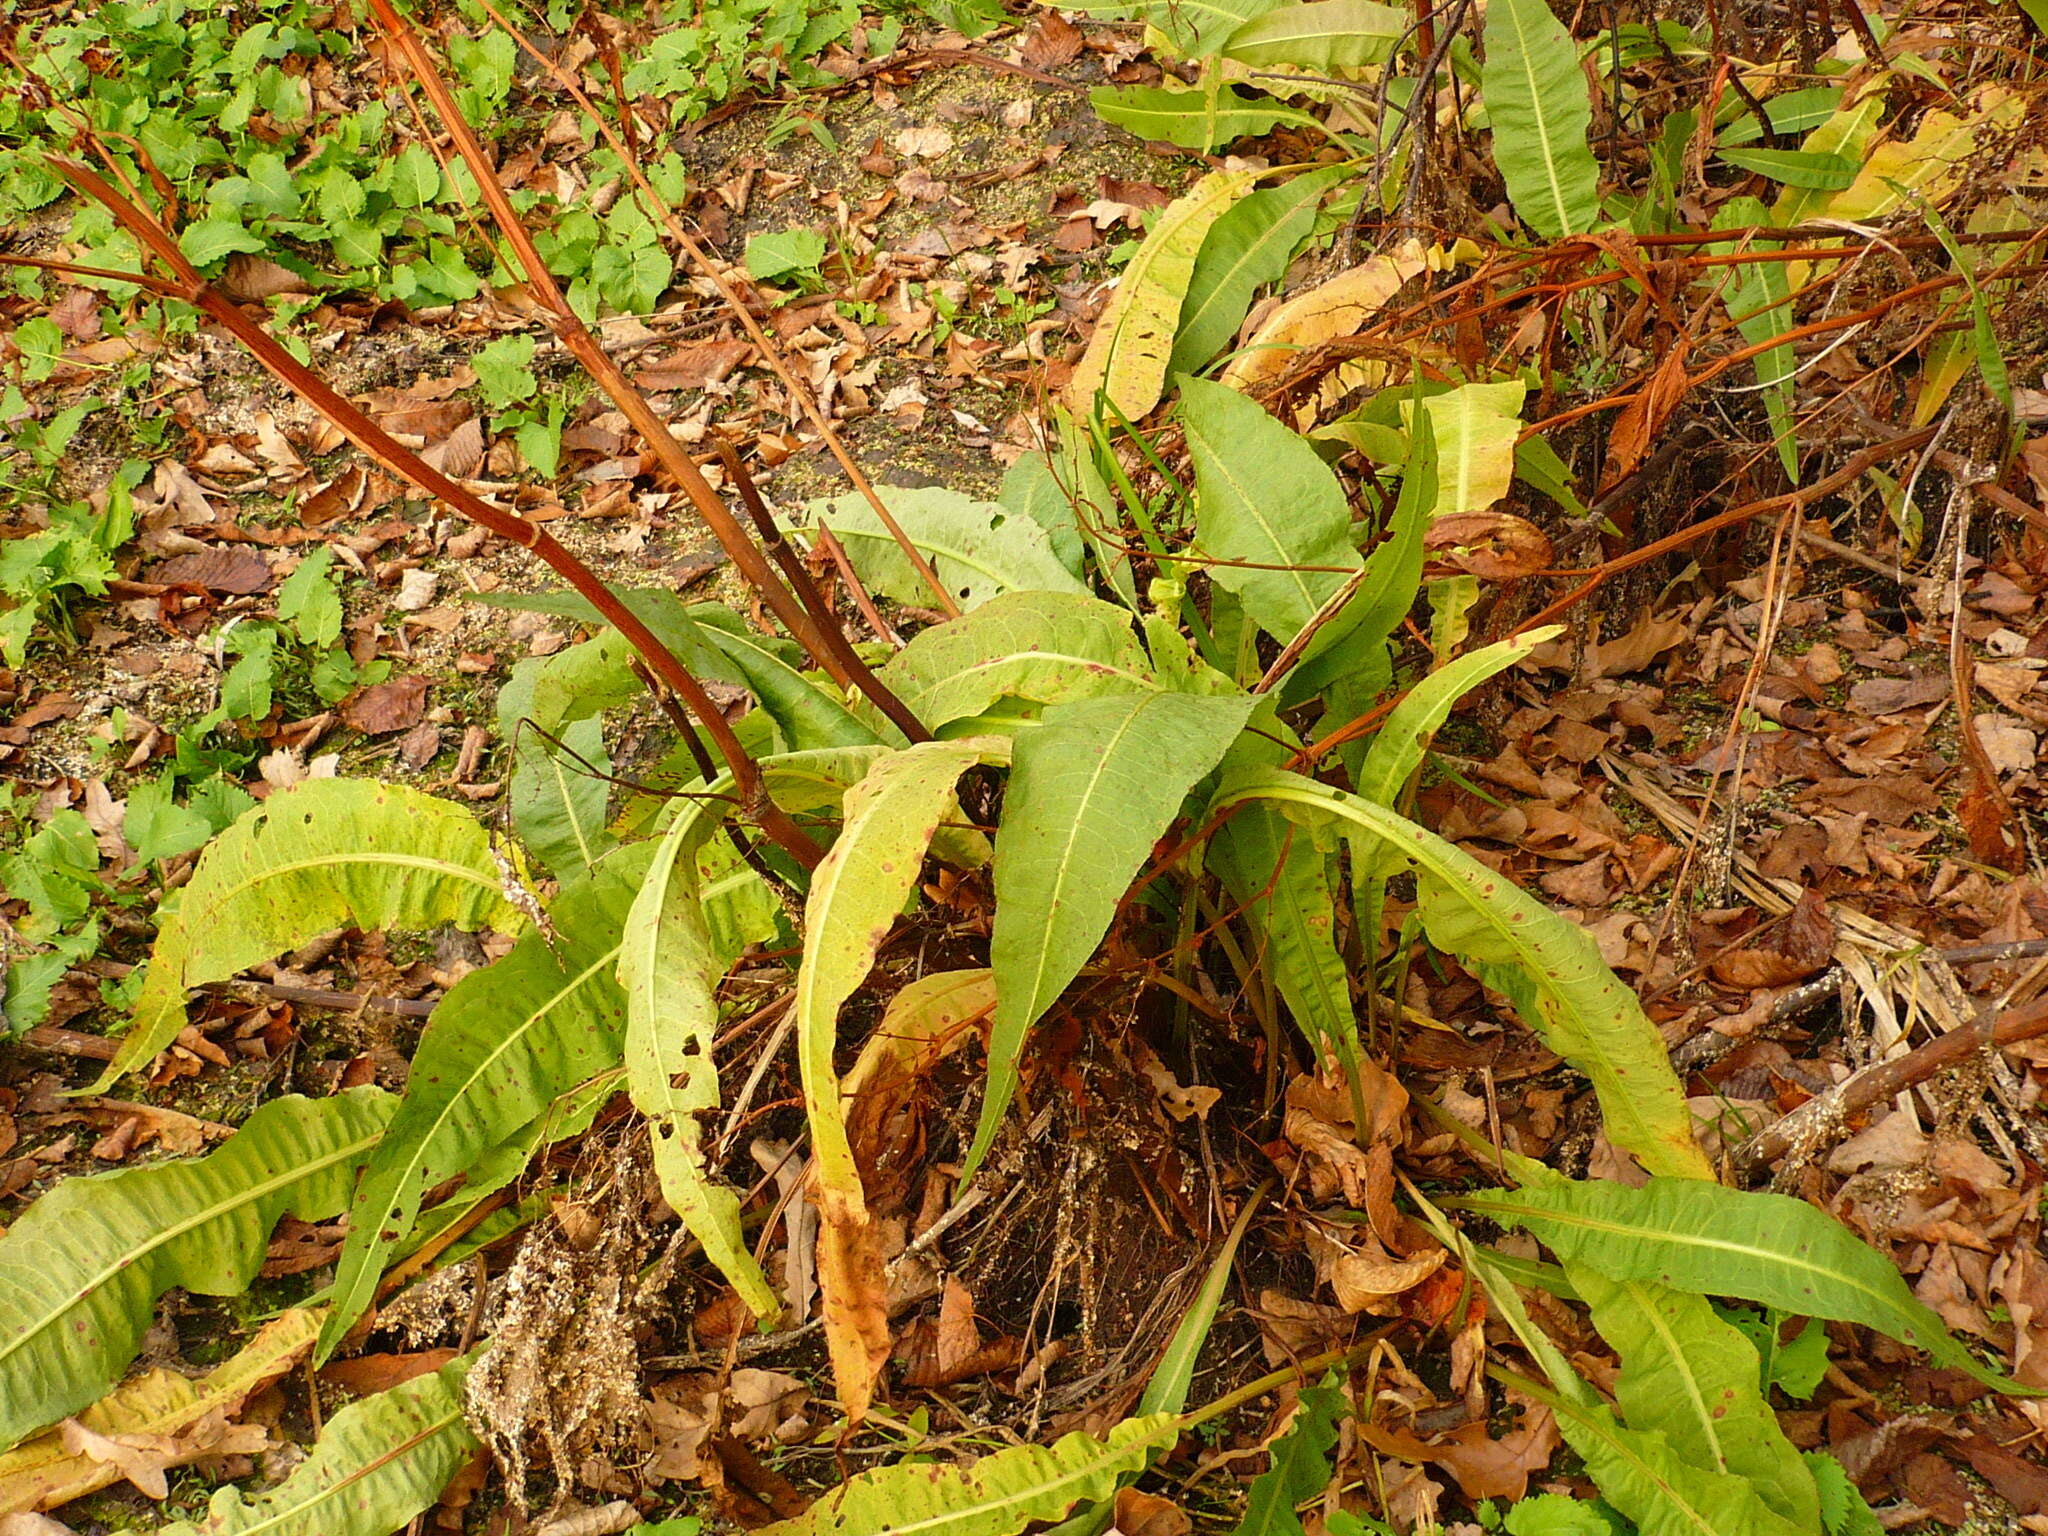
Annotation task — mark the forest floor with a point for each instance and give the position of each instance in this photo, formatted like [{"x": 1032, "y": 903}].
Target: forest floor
[{"x": 1788, "y": 777}]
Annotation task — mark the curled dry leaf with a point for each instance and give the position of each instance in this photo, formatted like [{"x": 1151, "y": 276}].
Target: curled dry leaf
[
  {"x": 1798, "y": 947},
  {"x": 1494, "y": 546},
  {"x": 1485, "y": 1467}
]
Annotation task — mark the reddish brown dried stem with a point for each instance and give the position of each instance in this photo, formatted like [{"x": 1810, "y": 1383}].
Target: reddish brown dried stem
[
  {"x": 770, "y": 352},
  {"x": 353, "y": 423}
]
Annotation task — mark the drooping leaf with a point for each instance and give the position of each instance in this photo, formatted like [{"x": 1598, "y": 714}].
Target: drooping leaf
[
  {"x": 82, "y": 1268},
  {"x": 1280, "y": 880},
  {"x": 1698, "y": 1236},
  {"x": 1131, "y": 344},
  {"x": 42, "y": 1473},
  {"x": 1550, "y": 969},
  {"x": 558, "y": 796},
  {"x": 503, "y": 1044},
  {"x": 669, "y": 967},
  {"x": 327, "y": 853},
  {"x": 1931, "y": 164},
  {"x": 1640, "y": 1474},
  {"x": 1193, "y": 119},
  {"x": 1476, "y": 426},
  {"x": 978, "y": 548},
  {"x": 1535, "y": 95},
  {"x": 855, "y": 897},
  {"x": 1342, "y": 306},
  {"x": 1300, "y": 1467},
  {"x": 1695, "y": 1380},
  {"x": 378, "y": 1463},
  {"x": 1397, "y": 750},
  {"x": 1095, "y": 784},
  {"x": 997, "y": 1495},
  {"x": 1046, "y": 647},
  {"x": 1248, "y": 247},
  {"x": 1264, "y": 498},
  {"x": 1321, "y": 35}
]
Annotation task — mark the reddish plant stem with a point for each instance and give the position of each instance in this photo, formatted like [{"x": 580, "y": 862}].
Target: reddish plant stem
[
  {"x": 584, "y": 347},
  {"x": 845, "y": 663},
  {"x": 379, "y": 445},
  {"x": 805, "y": 398}
]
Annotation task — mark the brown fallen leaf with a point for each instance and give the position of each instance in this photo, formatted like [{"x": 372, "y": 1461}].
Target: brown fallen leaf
[
  {"x": 1494, "y": 546},
  {"x": 234, "y": 572},
  {"x": 1485, "y": 1467},
  {"x": 393, "y": 705},
  {"x": 1053, "y": 41},
  {"x": 692, "y": 367},
  {"x": 1146, "y": 1514},
  {"x": 366, "y": 1374},
  {"x": 1799, "y": 946}
]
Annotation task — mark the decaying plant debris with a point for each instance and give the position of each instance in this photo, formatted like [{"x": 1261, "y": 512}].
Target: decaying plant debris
[{"x": 1283, "y": 778}]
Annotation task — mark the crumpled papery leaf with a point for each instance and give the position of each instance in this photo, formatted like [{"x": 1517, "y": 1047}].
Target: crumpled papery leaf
[{"x": 1485, "y": 1467}]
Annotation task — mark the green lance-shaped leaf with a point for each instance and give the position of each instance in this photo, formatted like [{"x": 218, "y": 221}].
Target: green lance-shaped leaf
[
  {"x": 328, "y": 853},
  {"x": 1129, "y": 349},
  {"x": 1197, "y": 119},
  {"x": 559, "y": 796},
  {"x": 1547, "y": 967},
  {"x": 1535, "y": 95},
  {"x": 1044, "y": 647},
  {"x": 806, "y": 713},
  {"x": 1758, "y": 297},
  {"x": 82, "y": 1268},
  {"x": 856, "y": 894},
  {"x": 1248, "y": 247},
  {"x": 378, "y": 1463},
  {"x": 1096, "y": 782},
  {"x": 997, "y": 1495},
  {"x": 977, "y": 548},
  {"x": 504, "y": 1043},
  {"x": 1322, "y": 35},
  {"x": 669, "y": 965},
  {"x": 1397, "y": 750},
  {"x": 1262, "y": 497},
  {"x": 1698, "y": 1236},
  {"x": 1644, "y": 1476},
  {"x": 1166, "y": 1390},
  {"x": 1696, "y": 1380},
  {"x": 1300, "y": 1466}
]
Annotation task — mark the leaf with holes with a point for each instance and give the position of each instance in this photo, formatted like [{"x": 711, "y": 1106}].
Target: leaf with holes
[
  {"x": 669, "y": 966},
  {"x": 1131, "y": 344}
]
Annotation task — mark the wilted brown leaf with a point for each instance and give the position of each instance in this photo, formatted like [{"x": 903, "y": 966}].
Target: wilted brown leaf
[
  {"x": 234, "y": 572},
  {"x": 393, "y": 705}
]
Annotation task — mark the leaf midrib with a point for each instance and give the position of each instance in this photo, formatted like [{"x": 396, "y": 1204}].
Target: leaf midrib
[
  {"x": 1221, "y": 467},
  {"x": 214, "y": 902},
  {"x": 245, "y": 1195}
]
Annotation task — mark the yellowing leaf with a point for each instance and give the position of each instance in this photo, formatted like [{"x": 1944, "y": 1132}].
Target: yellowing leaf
[
  {"x": 1341, "y": 307},
  {"x": 1127, "y": 355},
  {"x": 1930, "y": 164},
  {"x": 43, "y": 1474},
  {"x": 1476, "y": 426}
]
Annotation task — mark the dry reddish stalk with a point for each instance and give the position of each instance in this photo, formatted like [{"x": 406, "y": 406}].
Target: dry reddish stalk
[
  {"x": 193, "y": 289},
  {"x": 629, "y": 156}
]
